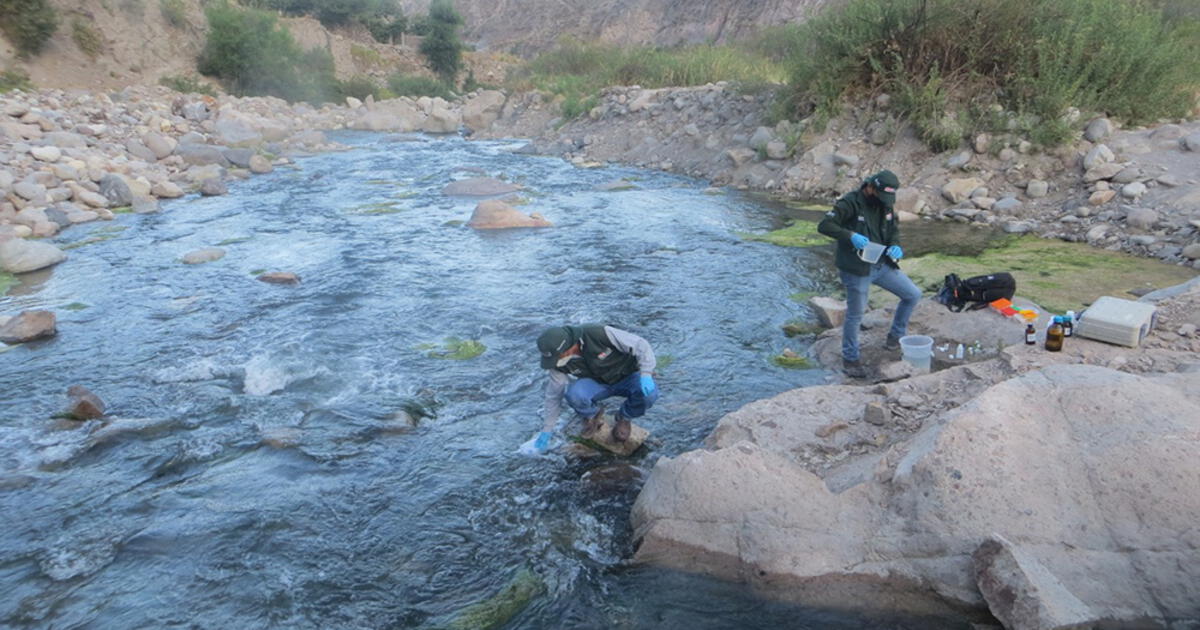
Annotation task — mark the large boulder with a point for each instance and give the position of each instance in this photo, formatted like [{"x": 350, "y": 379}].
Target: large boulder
[
  {"x": 1090, "y": 471},
  {"x": 29, "y": 326},
  {"x": 1022, "y": 594},
  {"x": 392, "y": 115},
  {"x": 442, "y": 119},
  {"x": 959, "y": 190},
  {"x": 494, "y": 214},
  {"x": 480, "y": 112},
  {"x": 116, "y": 189},
  {"x": 236, "y": 129},
  {"x": 479, "y": 187},
  {"x": 19, "y": 255}
]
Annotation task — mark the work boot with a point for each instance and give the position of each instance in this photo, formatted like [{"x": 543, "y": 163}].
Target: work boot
[
  {"x": 594, "y": 423},
  {"x": 854, "y": 369},
  {"x": 621, "y": 427},
  {"x": 892, "y": 343}
]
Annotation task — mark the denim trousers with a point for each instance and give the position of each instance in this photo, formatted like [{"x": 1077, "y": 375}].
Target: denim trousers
[
  {"x": 584, "y": 393},
  {"x": 857, "y": 288}
]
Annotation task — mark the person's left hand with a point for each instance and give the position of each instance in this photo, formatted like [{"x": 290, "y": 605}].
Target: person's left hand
[
  {"x": 895, "y": 253},
  {"x": 648, "y": 386}
]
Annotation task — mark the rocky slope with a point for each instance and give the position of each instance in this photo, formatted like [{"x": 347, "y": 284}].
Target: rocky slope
[{"x": 525, "y": 26}]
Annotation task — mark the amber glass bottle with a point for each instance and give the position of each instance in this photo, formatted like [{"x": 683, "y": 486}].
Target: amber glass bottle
[{"x": 1054, "y": 335}]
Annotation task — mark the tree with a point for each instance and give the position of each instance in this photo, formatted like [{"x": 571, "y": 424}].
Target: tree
[
  {"x": 28, "y": 24},
  {"x": 441, "y": 45}
]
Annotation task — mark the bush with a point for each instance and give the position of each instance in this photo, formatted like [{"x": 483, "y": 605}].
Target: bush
[
  {"x": 359, "y": 87},
  {"x": 187, "y": 85},
  {"x": 28, "y": 24},
  {"x": 251, "y": 54},
  {"x": 441, "y": 45},
  {"x": 14, "y": 80},
  {"x": 174, "y": 12},
  {"x": 86, "y": 37},
  {"x": 416, "y": 86},
  {"x": 1037, "y": 58}
]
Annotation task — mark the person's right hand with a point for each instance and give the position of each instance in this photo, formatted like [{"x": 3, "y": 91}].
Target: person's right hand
[
  {"x": 858, "y": 240},
  {"x": 543, "y": 441}
]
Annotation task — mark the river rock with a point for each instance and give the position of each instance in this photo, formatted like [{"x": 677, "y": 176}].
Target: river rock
[
  {"x": 1102, "y": 172},
  {"x": 959, "y": 161},
  {"x": 29, "y": 326},
  {"x": 46, "y": 154},
  {"x": 1021, "y": 593},
  {"x": 959, "y": 190},
  {"x": 116, "y": 189},
  {"x": 1036, "y": 189},
  {"x": 1191, "y": 252},
  {"x": 1007, "y": 204},
  {"x": 201, "y": 154},
  {"x": 203, "y": 255},
  {"x": 20, "y": 256},
  {"x": 442, "y": 119},
  {"x": 1098, "y": 130},
  {"x": 166, "y": 190},
  {"x": 1099, "y": 154},
  {"x": 260, "y": 165},
  {"x": 831, "y": 311},
  {"x": 479, "y": 187},
  {"x": 1133, "y": 190},
  {"x": 494, "y": 214},
  {"x": 83, "y": 404},
  {"x": 1191, "y": 142},
  {"x": 480, "y": 112},
  {"x": 760, "y": 138},
  {"x": 777, "y": 150},
  {"x": 162, "y": 146},
  {"x": 30, "y": 191},
  {"x": 239, "y": 157},
  {"x": 213, "y": 187},
  {"x": 279, "y": 277},
  {"x": 66, "y": 140},
  {"x": 1081, "y": 466},
  {"x": 236, "y": 129},
  {"x": 1101, "y": 197},
  {"x": 1142, "y": 218}
]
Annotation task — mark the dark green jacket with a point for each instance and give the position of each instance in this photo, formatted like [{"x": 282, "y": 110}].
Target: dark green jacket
[
  {"x": 601, "y": 360},
  {"x": 856, "y": 212}
]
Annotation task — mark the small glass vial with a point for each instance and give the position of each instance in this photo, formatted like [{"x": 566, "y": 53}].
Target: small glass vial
[
  {"x": 1030, "y": 334},
  {"x": 1069, "y": 324}
]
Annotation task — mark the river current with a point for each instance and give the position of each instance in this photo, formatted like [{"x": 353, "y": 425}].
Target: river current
[{"x": 260, "y": 470}]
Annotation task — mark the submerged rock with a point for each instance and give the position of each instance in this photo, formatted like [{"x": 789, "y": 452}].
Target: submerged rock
[
  {"x": 479, "y": 187},
  {"x": 497, "y": 215},
  {"x": 83, "y": 405},
  {"x": 29, "y": 326},
  {"x": 203, "y": 255}
]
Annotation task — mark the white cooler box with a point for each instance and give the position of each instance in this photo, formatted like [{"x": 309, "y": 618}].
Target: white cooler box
[{"x": 1117, "y": 321}]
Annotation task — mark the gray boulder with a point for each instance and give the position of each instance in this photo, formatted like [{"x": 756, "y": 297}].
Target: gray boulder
[
  {"x": 116, "y": 189},
  {"x": 140, "y": 151},
  {"x": 213, "y": 187},
  {"x": 239, "y": 157},
  {"x": 480, "y": 112},
  {"x": 201, "y": 154},
  {"x": 1191, "y": 142},
  {"x": 19, "y": 255},
  {"x": 1099, "y": 154},
  {"x": 203, "y": 255},
  {"x": 479, "y": 187},
  {"x": 260, "y": 165},
  {"x": 1098, "y": 130},
  {"x": 162, "y": 146}
]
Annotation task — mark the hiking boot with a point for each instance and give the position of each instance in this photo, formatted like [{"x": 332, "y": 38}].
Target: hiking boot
[
  {"x": 621, "y": 428},
  {"x": 892, "y": 343},
  {"x": 854, "y": 369},
  {"x": 594, "y": 423}
]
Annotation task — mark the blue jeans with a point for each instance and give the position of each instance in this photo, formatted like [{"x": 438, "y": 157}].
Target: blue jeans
[
  {"x": 857, "y": 287},
  {"x": 584, "y": 393}
]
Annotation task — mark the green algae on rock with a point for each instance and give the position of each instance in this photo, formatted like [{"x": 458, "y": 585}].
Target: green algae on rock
[
  {"x": 456, "y": 349},
  {"x": 7, "y": 281},
  {"x": 798, "y": 233},
  {"x": 790, "y": 360},
  {"x": 500, "y": 608},
  {"x": 1058, "y": 275}
]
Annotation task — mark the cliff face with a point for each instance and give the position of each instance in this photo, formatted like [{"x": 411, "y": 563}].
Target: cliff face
[{"x": 526, "y": 26}]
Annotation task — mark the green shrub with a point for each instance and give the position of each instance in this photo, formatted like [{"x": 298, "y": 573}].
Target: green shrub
[
  {"x": 86, "y": 37},
  {"x": 14, "y": 80},
  {"x": 415, "y": 86},
  {"x": 359, "y": 87},
  {"x": 441, "y": 46},
  {"x": 28, "y": 24},
  {"x": 187, "y": 85},
  {"x": 174, "y": 12},
  {"x": 1034, "y": 57},
  {"x": 252, "y": 54}
]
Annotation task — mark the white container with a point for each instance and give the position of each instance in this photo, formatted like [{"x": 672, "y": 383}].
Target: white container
[
  {"x": 871, "y": 253},
  {"x": 1117, "y": 321},
  {"x": 917, "y": 350}
]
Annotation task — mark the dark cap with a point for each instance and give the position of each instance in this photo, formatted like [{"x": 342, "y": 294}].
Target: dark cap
[
  {"x": 552, "y": 343},
  {"x": 886, "y": 183}
]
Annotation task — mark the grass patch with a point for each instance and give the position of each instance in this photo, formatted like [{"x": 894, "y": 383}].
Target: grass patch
[
  {"x": 956, "y": 68},
  {"x": 797, "y": 234},
  {"x": 174, "y": 12},
  {"x": 416, "y": 86},
  {"x": 7, "y": 281},
  {"x": 499, "y": 609},
  {"x": 455, "y": 349},
  {"x": 187, "y": 85},
  {"x": 122, "y": 210},
  {"x": 578, "y": 70},
  {"x": 15, "y": 80},
  {"x": 1057, "y": 275},
  {"x": 365, "y": 56},
  {"x": 792, "y": 361}
]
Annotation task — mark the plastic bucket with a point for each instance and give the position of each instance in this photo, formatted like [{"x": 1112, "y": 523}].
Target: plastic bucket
[
  {"x": 871, "y": 253},
  {"x": 917, "y": 350}
]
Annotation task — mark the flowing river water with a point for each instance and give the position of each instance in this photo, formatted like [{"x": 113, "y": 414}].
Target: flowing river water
[{"x": 260, "y": 472}]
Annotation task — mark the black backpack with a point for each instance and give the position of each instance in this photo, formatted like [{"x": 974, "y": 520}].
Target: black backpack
[{"x": 980, "y": 290}]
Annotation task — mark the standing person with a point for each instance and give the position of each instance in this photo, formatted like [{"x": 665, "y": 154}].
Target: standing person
[
  {"x": 860, "y": 217},
  {"x": 589, "y": 363}
]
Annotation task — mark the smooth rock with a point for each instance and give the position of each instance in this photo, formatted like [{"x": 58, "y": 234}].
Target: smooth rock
[
  {"x": 260, "y": 165},
  {"x": 959, "y": 190},
  {"x": 1099, "y": 154},
  {"x": 116, "y": 188},
  {"x": 213, "y": 187},
  {"x": 83, "y": 404},
  {"x": 478, "y": 187},
  {"x": 1098, "y": 130},
  {"x": 46, "y": 154},
  {"x": 20, "y": 256},
  {"x": 1133, "y": 190},
  {"x": 494, "y": 214},
  {"x": 29, "y": 326},
  {"x": 1101, "y": 197},
  {"x": 279, "y": 277},
  {"x": 1036, "y": 188},
  {"x": 1102, "y": 172},
  {"x": 1192, "y": 251},
  {"x": 203, "y": 255},
  {"x": 830, "y": 311},
  {"x": 166, "y": 190},
  {"x": 1142, "y": 218}
]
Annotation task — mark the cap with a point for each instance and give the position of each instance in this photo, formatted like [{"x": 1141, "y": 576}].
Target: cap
[
  {"x": 552, "y": 343},
  {"x": 885, "y": 183}
]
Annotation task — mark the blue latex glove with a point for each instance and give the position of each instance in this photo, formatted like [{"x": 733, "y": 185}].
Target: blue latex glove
[
  {"x": 543, "y": 441},
  {"x": 858, "y": 240},
  {"x": 895, "y": 253},
  {"x": 648, "y": 386}
]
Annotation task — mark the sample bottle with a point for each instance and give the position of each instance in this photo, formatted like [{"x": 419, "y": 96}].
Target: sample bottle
[
  {"x": 1030, "y": 334},
  {"x": 1054, "y": 335},
  {"x": 1069, "y": 324}
]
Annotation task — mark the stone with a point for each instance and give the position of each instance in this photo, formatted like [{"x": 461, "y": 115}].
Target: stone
[
  {"x": 982, "y": 143},
  {"x": 1142, "y": 218},
  {"x": 235, "y": 128},
  {"x": 740, "y": 156},
  {"x": 1102, "y": 172},
  {"x": 1007, "y": 204},
  {"x": 260, "y": 165},
  {"x": 1097, "y": 233},
  {"x": 1191, "y": 142},
  {"x": 353, "y": 103},
  {"x": 116, "y": 188},
  {"x": 1098, "y": 130},
  {"x": 83, "y": 404},
  {"x": 959, "y": 190},
  {"x": 1099, "y": 154},
  {"x": 20, "y": 256},
  {"x": 201, "y": 154},
  {"x": 983, "y": 203},
  {"x": 162, "y": 146},
  {"x": 279, "y": 277},
  {"x": 1101, "y": 197},
  {"x": 239, "y": 157},
  {"x": 1022, "y": 593},
  {"x": 1133, "y": 190},
  {"x": 480, "y": 112},
  {"x": 760, "y": 138},
  {"x": 1036, "y": 188},
  {"x": 479, "y": 187},
  {"x": 959, "y": 161},
  {"x": 29, "y": 326},
  {"x": 46, "y": 154},
  {"x": 66, "y": 140},
  {"x": 777, "y": 150},
  {"x": 203, "y": 255},
  {"x": 442, "y": 120},
  {"x": 29, "y": 191},
  {"x": 1191, "y": 252},
  {"x": 845, "y": 159},
  {"x": 166, "y": 190},
  {"x": 89, "y": 198},
  {"x": 1017, "y": 227},
  {"x": 830, "y": 311},
  {"x": 876, "y": 413},
  {"x": 1127, "y": 175},
  {"x": 213, "y": 187},
  {"x": 494, "y": 214}
]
